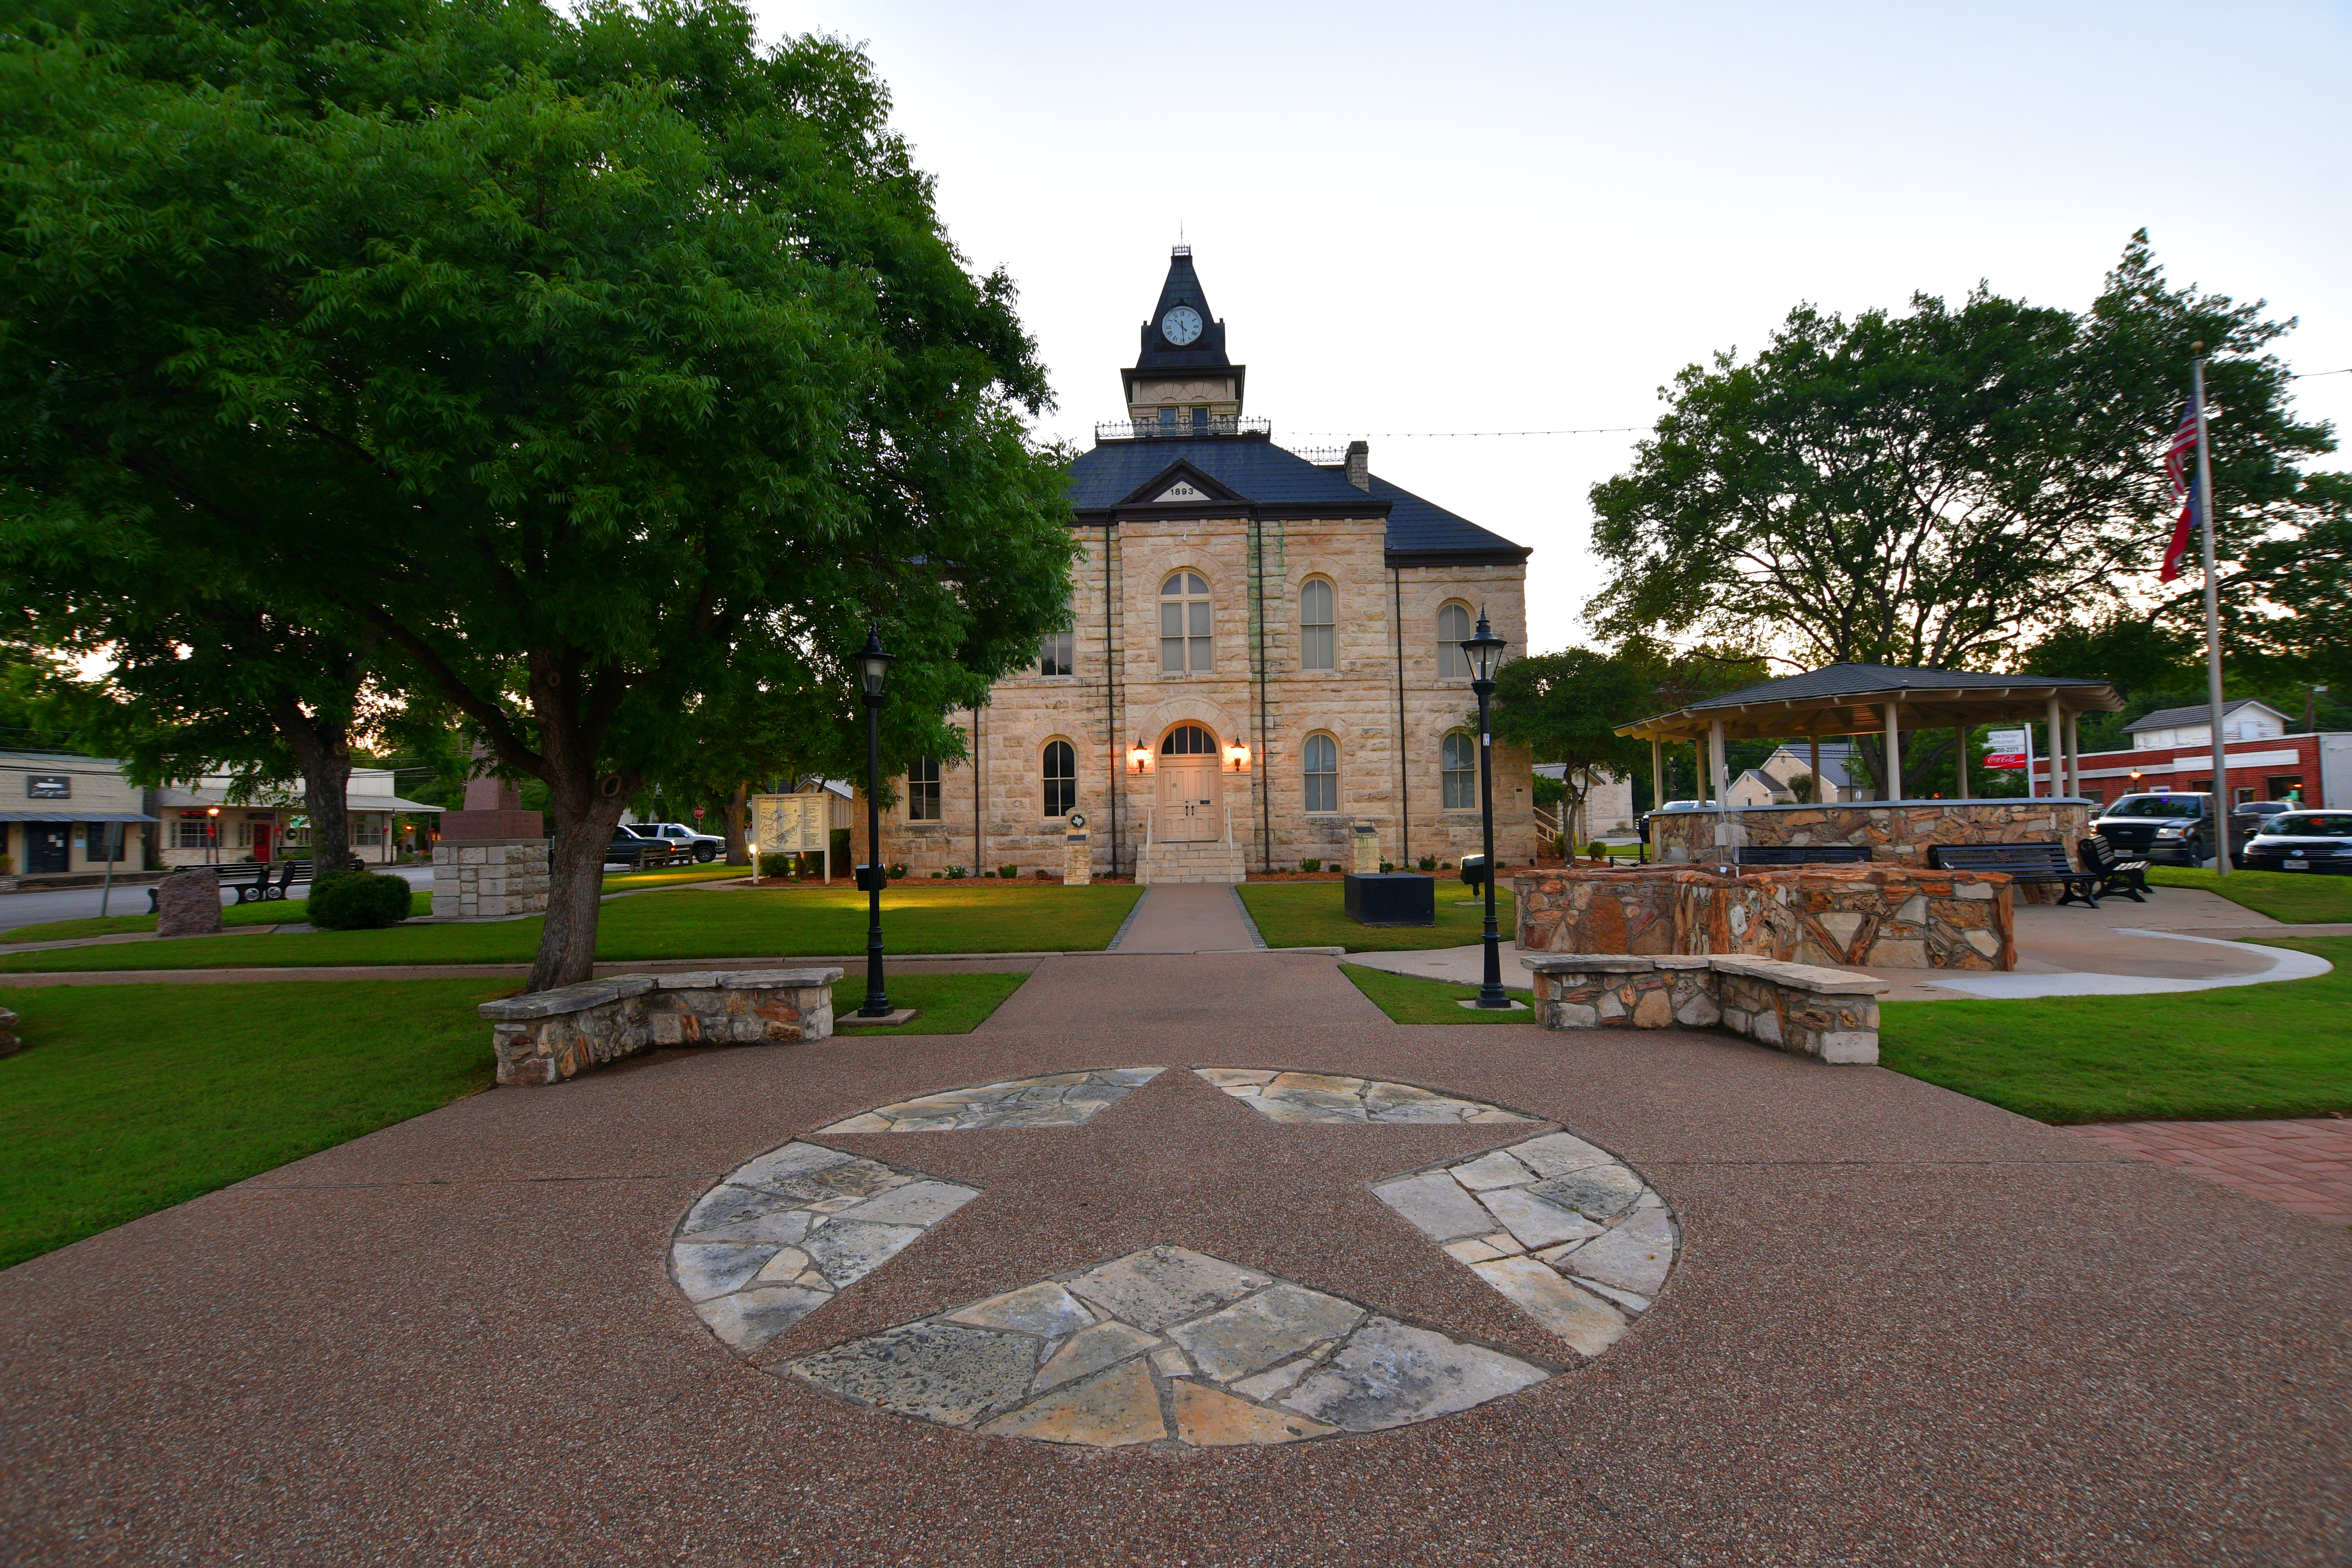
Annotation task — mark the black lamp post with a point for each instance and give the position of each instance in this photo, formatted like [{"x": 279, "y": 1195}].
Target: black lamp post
[
  {"x": 1484, "y": 649},
  {"x": 873, "y": 665}
]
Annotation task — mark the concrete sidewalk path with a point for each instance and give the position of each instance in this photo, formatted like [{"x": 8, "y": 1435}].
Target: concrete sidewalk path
[
  {"x": 1904, "y": 1326},
  {"x": 1188, "y": 916}
]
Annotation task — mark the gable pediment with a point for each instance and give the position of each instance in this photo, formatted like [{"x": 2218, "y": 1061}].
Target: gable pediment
[{"x": 1181, "y": 484}]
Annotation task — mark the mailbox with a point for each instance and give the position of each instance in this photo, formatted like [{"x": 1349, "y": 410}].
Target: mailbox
[
  {"x": 872, "y": 879},
  {"x": 1473, "y": 871}
]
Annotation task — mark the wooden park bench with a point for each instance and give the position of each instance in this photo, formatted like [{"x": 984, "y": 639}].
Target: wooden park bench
[
  {"x": 2020, "y": 863},
  {"x": 2118, "y": 874},
  {"x": 1804, "y": 855}
]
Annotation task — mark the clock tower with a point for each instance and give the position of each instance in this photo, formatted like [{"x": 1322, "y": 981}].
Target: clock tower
[{"x": 1181, "y": 380}]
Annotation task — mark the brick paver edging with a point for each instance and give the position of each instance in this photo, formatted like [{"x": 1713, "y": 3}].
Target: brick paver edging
[{"x": 2303, "y": 1165}]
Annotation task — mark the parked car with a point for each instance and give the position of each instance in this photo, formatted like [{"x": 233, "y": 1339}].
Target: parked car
[
  {"x": 2317, "y": 841},
  {"x": 2176, "y": 826},
  {"x": 2248, "y": 817},
  {"x": 683, "y": 840},
  {"x": 629, "y": 848}
]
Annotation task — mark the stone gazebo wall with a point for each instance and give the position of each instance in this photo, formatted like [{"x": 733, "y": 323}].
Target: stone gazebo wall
[
  {"x": 1895, "y": 831},
  {"x": 1868, "y": 916}
]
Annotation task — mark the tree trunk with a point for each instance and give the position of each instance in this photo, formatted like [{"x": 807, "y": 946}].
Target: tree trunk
[
  {"x": 323, "y": 752},
  {"x": 587, "y": 809},
  {"x": 738, "y": 847}
]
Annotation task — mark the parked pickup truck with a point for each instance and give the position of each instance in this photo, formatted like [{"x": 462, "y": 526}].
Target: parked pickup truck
[
  {"x": 2176, "y": 826},
  {"x": 683, "y": 840},
  {"x": 635, "y": 851}
]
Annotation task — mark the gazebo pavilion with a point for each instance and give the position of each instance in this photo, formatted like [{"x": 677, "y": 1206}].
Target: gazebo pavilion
[{"x": 1845, "y": 700}]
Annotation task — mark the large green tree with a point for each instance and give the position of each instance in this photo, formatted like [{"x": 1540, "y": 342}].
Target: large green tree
[
  {"x": 601, "y": 364},
  {"x": 1565, "y": 707},
  {"x": 1938, "y": 486}
]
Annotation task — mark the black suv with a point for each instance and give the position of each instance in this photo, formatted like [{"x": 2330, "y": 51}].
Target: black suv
[{"x": 2176, "y": 826}]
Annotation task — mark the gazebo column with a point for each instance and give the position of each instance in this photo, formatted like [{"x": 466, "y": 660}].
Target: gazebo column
[
  {"x": 1816, "y": 738},
  {"x": 2056, "y": 723},
  {"x": 1716, "y": 769},
  {"x": 1657, "y": 772},
  {"x": 1961, "y": 756},
  {"x": 1893, "y": 754},
  {"x": 2074, "y": 755}
]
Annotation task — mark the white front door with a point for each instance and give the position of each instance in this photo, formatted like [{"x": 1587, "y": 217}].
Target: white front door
[{"x": 1188, "y": 800}]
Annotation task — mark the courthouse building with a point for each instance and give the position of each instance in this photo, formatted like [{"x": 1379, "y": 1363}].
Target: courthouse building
[{"x": 1267, "y": 650}]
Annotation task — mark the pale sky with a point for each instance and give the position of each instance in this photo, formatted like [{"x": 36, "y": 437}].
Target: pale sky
[{"x": 1529, "y": 217}]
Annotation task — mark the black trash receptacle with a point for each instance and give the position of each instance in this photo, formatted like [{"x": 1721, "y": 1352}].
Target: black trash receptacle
[{"x": 1392, "y": 899}]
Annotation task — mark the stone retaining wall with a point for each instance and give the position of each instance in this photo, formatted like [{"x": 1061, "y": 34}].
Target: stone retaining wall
[
  {"x": 489, "y": 879},
  {"x": 547, "y": 1036},
  {"x": 1896, "y": 832},
  {"x": 1866, "y": 916},
  {"x": 1811, "y": 1011}
]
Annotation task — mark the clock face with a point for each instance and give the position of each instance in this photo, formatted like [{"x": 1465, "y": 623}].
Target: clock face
[{"x": 1180, "y": 325}]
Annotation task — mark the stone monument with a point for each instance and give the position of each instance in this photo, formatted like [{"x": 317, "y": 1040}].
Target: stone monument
[
  {"x": 187, "y": 903},
  {"x": 1367, "y": 851},
  {"x": 492, "y": 861},
  {"x": 1077, "y": 855}
]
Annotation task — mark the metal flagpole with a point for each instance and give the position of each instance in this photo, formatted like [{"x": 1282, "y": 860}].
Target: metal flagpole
[{"x": 2221, "y": 824}]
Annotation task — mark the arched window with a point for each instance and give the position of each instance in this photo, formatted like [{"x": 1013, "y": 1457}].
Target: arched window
[
  {"x": 1458, "y": 763},
  {"x": 1061, "y": 777},
  {"x": 1322, "y": 774},
  {"x": 1453, "y": 631},
  {"x": 1189, "y": 741},
  {"x": 923, "y": 790},
  {"x": 1184, "y": 624},
  {"x": 1314, "y": 649}
]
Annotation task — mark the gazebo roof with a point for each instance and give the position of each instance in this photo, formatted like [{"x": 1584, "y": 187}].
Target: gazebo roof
[{"x": 1851, "y": 700}]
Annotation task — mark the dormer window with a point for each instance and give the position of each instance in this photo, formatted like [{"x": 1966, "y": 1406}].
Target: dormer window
[
  {"x": 1167, "y": 420},
  {"x": 1201, "y": 421}
]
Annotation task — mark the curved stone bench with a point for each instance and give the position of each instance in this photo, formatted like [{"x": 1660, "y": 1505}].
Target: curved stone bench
[
  {"x": 546, "y": 1036},
  {"x": 1825, "y": 1013}
]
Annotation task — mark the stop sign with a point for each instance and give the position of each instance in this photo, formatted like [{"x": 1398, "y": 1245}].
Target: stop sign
[{"x": 698, "y": 814}]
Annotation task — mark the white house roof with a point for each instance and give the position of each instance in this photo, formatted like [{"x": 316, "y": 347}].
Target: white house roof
[{"x": 2202, "y": 713}]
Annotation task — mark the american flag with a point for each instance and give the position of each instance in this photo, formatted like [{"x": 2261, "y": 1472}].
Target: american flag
[{"x": 2184, "y": 490}]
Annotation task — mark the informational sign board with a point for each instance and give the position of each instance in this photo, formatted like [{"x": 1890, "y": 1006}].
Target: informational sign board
[
  {"x": 50, "y": 786},
  {"x": 791, "y": 825}
]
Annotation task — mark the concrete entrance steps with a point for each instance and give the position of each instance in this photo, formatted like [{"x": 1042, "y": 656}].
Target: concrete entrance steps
[{"x": 1183, "y": 862}]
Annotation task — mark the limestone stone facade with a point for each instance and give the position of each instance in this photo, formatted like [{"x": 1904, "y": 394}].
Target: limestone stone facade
[
  {"x": 490, "y": 880},
  {"x": 1259, "y": 544}
]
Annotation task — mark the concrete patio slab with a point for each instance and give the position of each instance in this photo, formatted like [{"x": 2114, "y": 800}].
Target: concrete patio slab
[{"x": 1902, "y": 1327}]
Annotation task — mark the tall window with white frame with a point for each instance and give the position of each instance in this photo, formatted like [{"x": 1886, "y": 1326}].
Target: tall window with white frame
[
  {"x": 1322, "y": 774},
  {"x": 1183, "y": 625},
  {"x": 1061, "y": 778},
  {"x": 1453, "y": 631},
  {"x": 923, "y": 790},
  {"x": 1055, "y": 654},
  {"x": 1315, "y": 629},
  {"x": 1457, "y": 765}
]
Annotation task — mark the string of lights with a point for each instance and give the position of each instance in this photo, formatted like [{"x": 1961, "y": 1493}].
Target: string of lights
[{"x": 1445, "y": 435}]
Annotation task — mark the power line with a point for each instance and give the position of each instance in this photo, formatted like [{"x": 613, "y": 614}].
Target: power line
[
  {"x": 2309, "y": 375},
  {"x": 1445, "y": 435}
]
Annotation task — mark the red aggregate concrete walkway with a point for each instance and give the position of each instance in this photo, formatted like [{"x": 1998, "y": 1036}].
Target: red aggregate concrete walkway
[
  {"x": 2305, "y": 1165},
  {"x": 1905, "y": 1327}
]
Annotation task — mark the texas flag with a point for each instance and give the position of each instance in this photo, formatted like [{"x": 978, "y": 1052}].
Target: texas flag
[{"x": 2184, "y": 490}]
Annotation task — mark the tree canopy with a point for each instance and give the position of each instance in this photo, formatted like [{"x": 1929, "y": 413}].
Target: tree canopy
[
  {"x": 1940, "y": 487},
  {"x": 600, "y": 365}
]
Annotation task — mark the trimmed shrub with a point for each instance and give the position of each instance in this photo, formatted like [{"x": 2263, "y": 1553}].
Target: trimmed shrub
[
  {"x": 955, "y": 873},
  {"x": 778, "y": 864},
  {"x": 1597, "y": 850},
  {"x": 359, "y": 901},
  {"x": 1429, "y": 862},
  {"x": 1010, "y": 873},
  {"x": 1310, "y": 865},
  {"x": 1043, "y": 874}
]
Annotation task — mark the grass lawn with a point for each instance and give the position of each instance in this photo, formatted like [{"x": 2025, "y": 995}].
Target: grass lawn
[
  {"x": 1312, "y": 914},
  {"x": 2245, "y": 1051},
  {"x": 129, "y": 1098},
  {"x": 1409, "y": 999},
  {"x": 283, "y": 911},
  {"x": 681, "y": 923},
  {"x": 2283, "y": 895},
  {"x": 670, "y": 875},
  {"x": 945, "y": 1004}
]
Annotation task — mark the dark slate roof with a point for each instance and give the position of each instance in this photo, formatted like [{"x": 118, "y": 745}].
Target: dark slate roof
[
  {"x": 1258, "y": 472},
  {"x": 2167, "y": 718},
  {"x": 1418, "y": 526},
  {"x": 1860, "y": 679},
  {"x": 1206, "y": 352}
]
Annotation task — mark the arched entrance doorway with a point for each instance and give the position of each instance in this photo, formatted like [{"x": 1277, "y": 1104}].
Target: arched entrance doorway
[{"x": 1188, "y": 786}]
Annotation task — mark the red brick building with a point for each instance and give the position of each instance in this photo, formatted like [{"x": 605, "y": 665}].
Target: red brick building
[{"x": 2173, "y": 749}]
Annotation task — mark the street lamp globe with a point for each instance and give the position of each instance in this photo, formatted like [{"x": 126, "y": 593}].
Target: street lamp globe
[
  {"x": 873, "y": 665},
  {"x": 1483, "y": 648}
]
